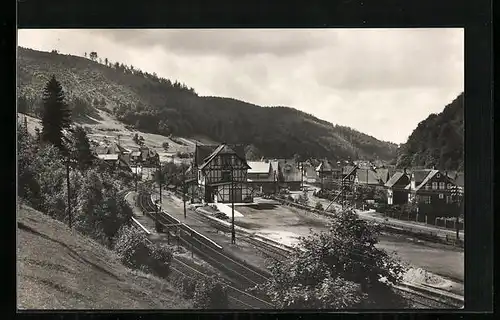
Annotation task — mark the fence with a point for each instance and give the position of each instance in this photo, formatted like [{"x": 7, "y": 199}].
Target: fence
[{"x": 434, "y": 236}]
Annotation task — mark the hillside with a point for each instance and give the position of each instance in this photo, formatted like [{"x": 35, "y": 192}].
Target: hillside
[
  {"x": 157, "y": 105},
  {"x": 61, "y": 269},
  {"x": 438, "y": 140}
]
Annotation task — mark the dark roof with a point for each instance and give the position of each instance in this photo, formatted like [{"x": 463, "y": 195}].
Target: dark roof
[
  {"x": 394, "y": 179},
  {"x": 347, "y": 169},
  {"x": 420, "y": 175},
  {"x": 383, "y": 174},
  {"x": 203, "y": 151},
  {"x": 430, "y": 174},
  {"x": 367, "y": 176},
  {"x": 238, "y": 150}
]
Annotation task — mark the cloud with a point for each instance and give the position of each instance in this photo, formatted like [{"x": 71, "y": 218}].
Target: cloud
[
  {"x": 382, "y": 82},
  {"x": 225, "y": 42}
]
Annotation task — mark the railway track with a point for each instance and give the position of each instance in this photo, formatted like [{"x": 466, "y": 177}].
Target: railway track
[
  {"x": 243, "y": 277},
  {"x": 240, "y": 276}
]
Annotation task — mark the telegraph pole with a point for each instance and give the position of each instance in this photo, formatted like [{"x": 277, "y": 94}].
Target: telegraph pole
[
  {"x": 136, "y": 175},
  {"x": 159, "y": 179},
  {"x": 233, "y": 235},
  {"x": 68, "y": 188},
  {"x": 184, "y": 191}
]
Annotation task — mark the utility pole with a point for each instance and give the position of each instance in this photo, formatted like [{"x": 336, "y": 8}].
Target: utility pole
[
  {"x": 136, "y": 175},
  {"x": 233, "y": 235},
  {"x": 275, "y": 183},
  {"x": 456, "y": 199},
  {"x": 184, "y": 191},
  {"x": 159, "y": 178},
  {"x": 68, "y": 188}
]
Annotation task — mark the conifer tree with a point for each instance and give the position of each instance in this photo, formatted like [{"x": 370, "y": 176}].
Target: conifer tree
[
  {"x": 81, "y": 148},
  {"x": 56, "y": 114}
]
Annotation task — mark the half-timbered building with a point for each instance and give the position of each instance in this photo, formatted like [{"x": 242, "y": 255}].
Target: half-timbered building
[{"x": 223, "y": 173}]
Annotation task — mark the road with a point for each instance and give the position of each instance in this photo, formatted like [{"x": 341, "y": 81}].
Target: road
[{"x": 377, "y": 217}]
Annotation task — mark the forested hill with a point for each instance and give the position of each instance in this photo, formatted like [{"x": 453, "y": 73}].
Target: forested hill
[
  {"x": 438, "y": 140},
  {"x": 156, "y": 105}
]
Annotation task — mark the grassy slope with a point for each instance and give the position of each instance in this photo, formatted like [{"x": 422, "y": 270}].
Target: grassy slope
[
  {"x": 107, "y": 128},
  {"x": 61, "y": 269}
]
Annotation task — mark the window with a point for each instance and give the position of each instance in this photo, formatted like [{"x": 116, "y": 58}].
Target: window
[
  {"x": 427, "y": 199},
  {"x": 226, "y": 176},
  {"x": 434, "y": 185},
  {"x": 441, "y": 196},
  {"x": 352, "y": 178},
  {"x": 441, "y": 185},
  {"x": 427, "y": 187},
  {"x": 448, "y": 199},
  {"x": 449, "y": 185},
  {"x": 438, "y": 175}
]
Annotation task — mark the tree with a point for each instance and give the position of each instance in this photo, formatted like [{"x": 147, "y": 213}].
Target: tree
[
  {"x": 136, "y": 138},
  {"x": 22, "y": 105},
  {"x": 93, "y": 56},
  {"x": 117, "y": 65},
  {"x": 81, "y": 148},
  {"x": 165, "y": 146},
  {"x": 85, "y": 54},
  {"x": 339, "y": 268},
  {"x": 100, "y": 60},
  {"x": 106, "y": 61},
  {"x": 56, "y": 114}
]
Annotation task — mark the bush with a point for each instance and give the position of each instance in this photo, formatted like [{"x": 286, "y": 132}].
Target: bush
[
  {"x": 133, "y": 248},
  {"x": 318, "y": 206},
  {"x": 210, "y": 293},
  {"x": 161, "y": 260}
]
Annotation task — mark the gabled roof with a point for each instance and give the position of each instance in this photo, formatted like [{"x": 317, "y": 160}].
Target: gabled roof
[
  {"x": 225, "y": 149},
  {"x": 383, "y": 174},
  {"x": 420, "y": 175},
  {"x": 429, "y": 176},
  {"x": 324, "y": 166},
  {"x": 367, "y": 176},
  {"x": 394, "y": 179},
  {"x": 258, "y": 167},
  {"x": 347, "y": 169}
]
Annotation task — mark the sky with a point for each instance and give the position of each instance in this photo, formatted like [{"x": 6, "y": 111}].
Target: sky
[{"x": 382, "y": 82}]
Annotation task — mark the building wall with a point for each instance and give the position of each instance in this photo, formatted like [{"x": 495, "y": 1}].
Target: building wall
[
  {"x": 242, "y": 193},
  {"x": 434, "y": 198}
]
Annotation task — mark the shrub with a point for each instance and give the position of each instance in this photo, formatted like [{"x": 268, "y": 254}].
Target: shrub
[
  {"x": 161, "y": 260},
  {"x": 133, "y": 248},
  {"x": 318, "y": 206},
  {"x": 210, "y": 293}
]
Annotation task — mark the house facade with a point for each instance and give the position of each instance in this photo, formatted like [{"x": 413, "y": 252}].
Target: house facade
[
  {"x": 262, "y": 176},
  {"x": 223, "y": 174},
  {"x": 431, "y": 190},
  {"x": 289, "y": 174},
  {"x": 367, "y": 177},
  {"x": 395, "y": 186}
]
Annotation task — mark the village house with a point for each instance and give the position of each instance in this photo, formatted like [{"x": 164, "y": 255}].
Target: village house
[
  {"x": 222, "y": 173},
  {"x": 290, "y": 176},
  {"x": 385, "y": 173},
  {"x": 262, "y": 176},
  {"x": 367, "y": 177},
  {"x": 431, "y": 190},
  {"x": 115, "y": 161},
  {"x": 395, "y": 186}
]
